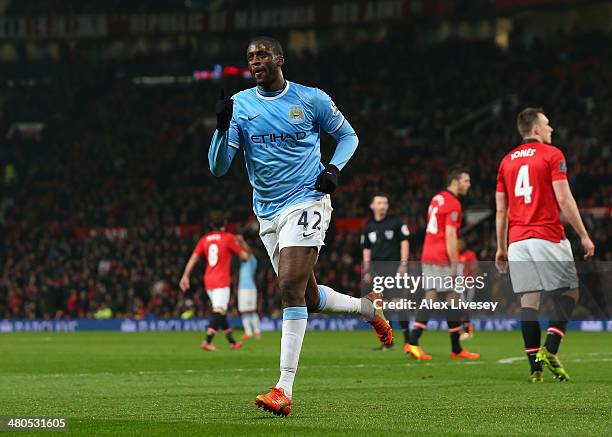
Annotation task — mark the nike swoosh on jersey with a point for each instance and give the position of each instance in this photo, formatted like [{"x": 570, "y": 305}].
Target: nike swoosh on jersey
[
  {"x": 309, "y": 235},
  {"x": 253, "y": 118}
]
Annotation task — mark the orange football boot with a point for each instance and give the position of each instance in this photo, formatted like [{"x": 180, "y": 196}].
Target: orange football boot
[
  {"x": 236, "y": 346},
  {"x": 209, "y": 347},
  {"x": 382, "y": 328},
  {"x": 275, "y": 402},
  {"x": 465, "y": 354},
  {"x": 416, "y": 352}
]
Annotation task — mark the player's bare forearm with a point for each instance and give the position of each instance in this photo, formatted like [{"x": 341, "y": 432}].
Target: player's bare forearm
[
  {"x": 501, "y": 221},
  {"x": 568, "y": 206},
  {"x": 451, "y": 245},
  {"x": 184, "y": 283},
  {"x": 193, "y": 260},
  {"x": 367, "y": 259},
  {"x": 404, "y": 251},
  {"x": 571, "y": 212},
  {"x": 501, "y": 230},
  {"x": 242, "y": 242}
]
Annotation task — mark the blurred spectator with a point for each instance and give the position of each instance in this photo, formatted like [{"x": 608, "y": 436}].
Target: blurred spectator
[{"x": 89, "y": 228}]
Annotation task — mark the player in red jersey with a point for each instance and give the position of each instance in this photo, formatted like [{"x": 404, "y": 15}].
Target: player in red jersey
[
  {"x": 532, "y": 187},
  {"x": 439, "y": 262},
  {"x": 217, "y": 248},
  {"x": 467, "y": 265}
]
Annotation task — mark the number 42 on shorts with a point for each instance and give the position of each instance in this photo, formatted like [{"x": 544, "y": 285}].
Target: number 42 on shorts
[{"x": 303, "y": 221}]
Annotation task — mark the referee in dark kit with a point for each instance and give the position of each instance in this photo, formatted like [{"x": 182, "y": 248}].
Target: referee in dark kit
[{"x": 385, "y": 240}]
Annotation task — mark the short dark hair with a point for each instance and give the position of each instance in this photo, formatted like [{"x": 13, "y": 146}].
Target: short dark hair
[
  {"x": 274, "y": 44},
  {"x": 526, "y": 119},
  {"x": 455, "y": 174},
  {"x": 217, "y": 219},
  {"x": 385, "y": 195}
]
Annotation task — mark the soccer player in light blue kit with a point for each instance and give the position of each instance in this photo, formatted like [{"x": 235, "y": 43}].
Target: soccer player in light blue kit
[
  {"x": 277, "y": 125},
  {"x": 247, "y": 293}
]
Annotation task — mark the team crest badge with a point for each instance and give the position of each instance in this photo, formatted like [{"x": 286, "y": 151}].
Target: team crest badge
[
  {"x": 389, "y": 234},
  {"x": 296, "y": 115},
  {"x": 372, "y": 237}
]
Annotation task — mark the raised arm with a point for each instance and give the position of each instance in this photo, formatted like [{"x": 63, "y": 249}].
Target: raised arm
[
  {"x": 220, "y": 153},
  {"x": 225, "y": 141}
]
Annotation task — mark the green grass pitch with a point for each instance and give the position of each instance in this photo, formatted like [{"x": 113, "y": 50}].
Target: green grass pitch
[{"x": 163, "y": 384}]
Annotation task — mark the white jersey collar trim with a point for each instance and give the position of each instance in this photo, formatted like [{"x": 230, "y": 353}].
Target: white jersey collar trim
[{"x": 274, "y": 97}]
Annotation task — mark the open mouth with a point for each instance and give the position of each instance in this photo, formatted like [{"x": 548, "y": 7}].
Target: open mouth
[{"x": 258, "y": 74}]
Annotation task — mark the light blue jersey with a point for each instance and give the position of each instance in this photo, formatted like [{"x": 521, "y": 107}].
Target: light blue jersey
[
  {"x": 247, "y": 274},
  {"x": 280, "y": 136}
]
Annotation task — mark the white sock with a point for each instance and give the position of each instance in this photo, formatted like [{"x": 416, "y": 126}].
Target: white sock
[
  {"x": 246, "y": 323},
  {"x": 295, "y": 320},
  {"x": 334, "y": 302},
  {"x": 255, "y": 323}
]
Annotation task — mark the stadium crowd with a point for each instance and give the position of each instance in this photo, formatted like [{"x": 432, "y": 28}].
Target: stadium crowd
[{"x": 132, "y": 158}]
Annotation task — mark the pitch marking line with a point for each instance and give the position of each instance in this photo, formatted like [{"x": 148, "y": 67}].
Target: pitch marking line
[
  {"x": 229, "y": 370},
  {"x": 604, "y": 357}
]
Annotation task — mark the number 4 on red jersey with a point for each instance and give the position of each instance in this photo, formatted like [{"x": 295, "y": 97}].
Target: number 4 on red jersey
[{"x": 525, "y": 176}]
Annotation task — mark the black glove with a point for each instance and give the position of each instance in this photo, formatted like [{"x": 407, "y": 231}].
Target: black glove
[
  {"x": 327, "y": 181},
  {"x": 224, "y": 109}
]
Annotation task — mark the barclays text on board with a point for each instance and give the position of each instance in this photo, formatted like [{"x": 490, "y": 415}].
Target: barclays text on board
[{"x": 267, "y": 324}]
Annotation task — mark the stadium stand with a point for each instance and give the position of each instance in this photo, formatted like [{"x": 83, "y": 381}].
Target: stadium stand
[{"x": 100, "y": 210}]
